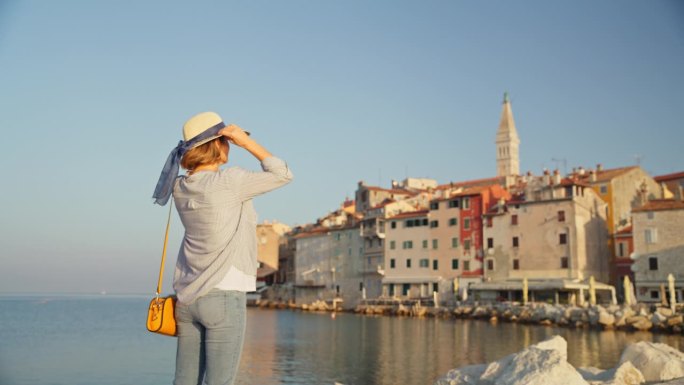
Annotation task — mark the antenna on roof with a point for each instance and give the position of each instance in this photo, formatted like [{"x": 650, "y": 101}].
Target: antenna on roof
[
  {"x": 637, "y": 159},
  {"x": 565, "y": 164}
]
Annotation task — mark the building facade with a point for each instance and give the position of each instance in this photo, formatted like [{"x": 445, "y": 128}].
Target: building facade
[{"x": 658, "y": 226}]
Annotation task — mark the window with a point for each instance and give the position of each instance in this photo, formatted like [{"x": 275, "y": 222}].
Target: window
[
  {"x": 424, "y": 262},
  {"x": 466, "y": 223},
  {"x": 435, "y": 244},
  {"x": 453, "y": 221},
  {"x": 621, "y": 249},
  {"x": 466, "y": 245},
  {"x": 466, "y": 203},
  {"x": 394, "y": 224},
  {"x": 515, "y": 242},
  {"x": 393, "y": 263},
  {"x": 603, "y": 189},
  {"x": 561, "y": 216},
  {"x": 514, "y": 219},
  {"x": 516, "y": 264},
  {"x": 453, "y": 203},
  {"x": 653, "y": 263},
  {"x": 564, "y": 262},
  {"x": 490, "y": 264},
  {"x": 454, "y": 242},
  {"x": 454, "y": 264},
  {"x": 435, "y": 287},
  {"x": 650, "y": 215},
  {"x": 408, "y": 263},
  {"x": 466, "y": 265},
  {"x": 435, "y": 264},
  {"x": 434, "y": 224},
  {"x": 425, "y": 243},
  {"x": 489, "y": 222},
  {"x": 650, "y": 235},
  {"x": 563, "y": 239},
  {"x": 654, "y": 294},
  {"x": 408, "y": 245},
  {"x": 490, "y": 243},
  {"x": 424, "y": 222},
  {"x": 434, "y": 205},
  {"x": 393, "y": 245}
]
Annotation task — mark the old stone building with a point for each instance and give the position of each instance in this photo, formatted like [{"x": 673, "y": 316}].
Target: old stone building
[
  {"x": 658, "y": 226},
  {"x": 554, "y": 231}
]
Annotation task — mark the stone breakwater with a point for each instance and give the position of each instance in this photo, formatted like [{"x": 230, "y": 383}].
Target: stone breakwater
[
  {"x": 638, "y": 317},
  {"x": 546, "y": 363}
]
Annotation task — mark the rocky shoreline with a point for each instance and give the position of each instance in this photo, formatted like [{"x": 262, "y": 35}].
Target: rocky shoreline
[
  {"x": 546, "y": 363},
  {"x": 640, "y": 317}
]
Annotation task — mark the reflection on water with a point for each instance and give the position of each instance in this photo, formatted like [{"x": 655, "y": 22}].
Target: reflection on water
[
  {"x": 103, "y": 341},
  {"x": 313, "y": 348}
]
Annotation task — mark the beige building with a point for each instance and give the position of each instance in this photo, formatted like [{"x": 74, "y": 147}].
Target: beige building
[
  {"x": 555, "y": 231},
  {"x": 620, "y": 189},
  {"x": 270, "y": 239},
  {"x": 658, "y": 228},
  {"x": 409, "y": 271}
]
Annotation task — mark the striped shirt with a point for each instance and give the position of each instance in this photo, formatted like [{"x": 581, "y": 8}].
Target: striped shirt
[{"x": 216, "y": 210}]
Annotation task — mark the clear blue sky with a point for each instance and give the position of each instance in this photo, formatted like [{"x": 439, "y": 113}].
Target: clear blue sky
[{"x": 93, "y": 96}]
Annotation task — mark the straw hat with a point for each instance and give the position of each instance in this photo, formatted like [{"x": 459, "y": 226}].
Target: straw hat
[{"x": 200, "y": 123}]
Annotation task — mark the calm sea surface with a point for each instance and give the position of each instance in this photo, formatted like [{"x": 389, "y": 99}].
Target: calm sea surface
[{"x": 102, "y": 340}]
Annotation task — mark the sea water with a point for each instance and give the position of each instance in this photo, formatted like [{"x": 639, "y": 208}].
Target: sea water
[{"x": 102, "y": 340}]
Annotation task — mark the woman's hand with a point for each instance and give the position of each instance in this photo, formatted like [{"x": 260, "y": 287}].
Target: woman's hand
[{"x": 235, "y": 134}]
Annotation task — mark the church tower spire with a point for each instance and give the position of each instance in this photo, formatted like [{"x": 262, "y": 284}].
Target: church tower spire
[{"x": 507, "y": 142}]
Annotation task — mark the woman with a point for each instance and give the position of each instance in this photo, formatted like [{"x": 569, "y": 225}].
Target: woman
[{"x": 217, "y": 261}]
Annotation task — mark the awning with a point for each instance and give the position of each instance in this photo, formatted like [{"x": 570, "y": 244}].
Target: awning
[
  {"x": 400, "y": 280},
  {"x": 538, "y": 285}
]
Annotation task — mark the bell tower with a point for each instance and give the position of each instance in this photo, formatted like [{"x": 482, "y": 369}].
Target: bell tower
[{"x": 507, "y": 142}]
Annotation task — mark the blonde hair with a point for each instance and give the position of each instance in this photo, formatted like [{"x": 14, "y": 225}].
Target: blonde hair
[{"x": 207, "y": 153}]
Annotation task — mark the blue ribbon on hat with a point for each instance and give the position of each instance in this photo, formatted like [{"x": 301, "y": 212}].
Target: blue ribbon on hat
[{"x": 162, "y": 192}]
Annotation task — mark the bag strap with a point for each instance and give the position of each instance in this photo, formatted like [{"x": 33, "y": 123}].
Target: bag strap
[{"x": 163, "y": 258}]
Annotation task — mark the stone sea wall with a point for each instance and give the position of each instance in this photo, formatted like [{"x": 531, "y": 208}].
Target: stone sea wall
[{"x": 637, "y": 317}]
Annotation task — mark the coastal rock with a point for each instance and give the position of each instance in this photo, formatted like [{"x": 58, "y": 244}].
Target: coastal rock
[
  {"x": 658, "y": 318},
  {"x": 467, "y": 375},
  {"x": 656, "y": 361},
  {"x": 541, "y": 364},
  {"x": 606, "y": 319},
  {"x": 625, "y": 374},
  {"x": 642, "y": 325},
  {"x": 675, "y": 320},
  {"x": 664, "y": 311}
]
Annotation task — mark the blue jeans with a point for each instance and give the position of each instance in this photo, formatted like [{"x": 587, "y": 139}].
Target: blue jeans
[{"x": 211, "y": 331}]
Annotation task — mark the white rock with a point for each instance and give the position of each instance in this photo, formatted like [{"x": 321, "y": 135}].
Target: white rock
[
  {"x": 467, "y": 375},
  {"x": 542, "y": 364},
  {"x": 625, "y": 374},
  {"x": 655, "y": 361}
]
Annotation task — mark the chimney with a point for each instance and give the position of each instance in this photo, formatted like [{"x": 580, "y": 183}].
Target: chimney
[
  {"x": 592, "y": 175},
  {"x": 679, "y": 195},
  {"x": 581, "y": 171},
  {"x": 394, "y": 183},
  {"x": 663, "y": 190},
  {"x": 556, "y": 177},
  {"x": 599, "y": 167},
  {"x": 547, "y": 177}
]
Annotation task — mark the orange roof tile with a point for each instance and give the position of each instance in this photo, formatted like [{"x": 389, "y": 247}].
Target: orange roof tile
[
  {"x": 661, "y": 205},
  {"x": 411, "y": 214},
  {"x": 471, "y": 183},
  {"x": 669, "y": 177}
]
